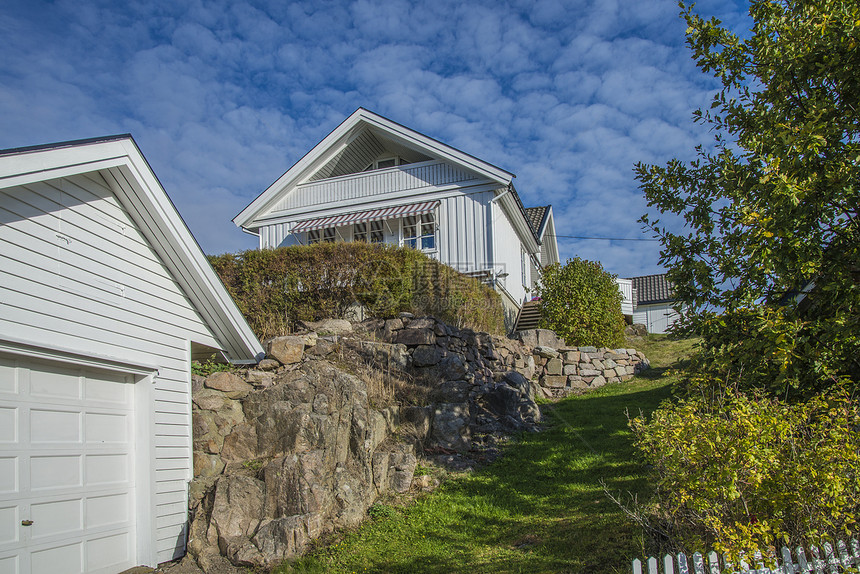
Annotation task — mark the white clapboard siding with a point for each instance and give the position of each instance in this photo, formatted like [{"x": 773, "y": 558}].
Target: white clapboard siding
[
  {"x": 75, "y": 272},
  {"x": 353, "y": 187},
  {"x": 34, "y": 242},
  {"x": 830, "y": 558}
]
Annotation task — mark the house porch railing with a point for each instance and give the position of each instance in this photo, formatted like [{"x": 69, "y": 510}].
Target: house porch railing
[
  {"x": 843, "y": 558},
  {"x": 356, "y": 186}
]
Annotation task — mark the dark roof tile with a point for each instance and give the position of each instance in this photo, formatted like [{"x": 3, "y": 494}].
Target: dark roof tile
[
  {"x": 536, "y": 216},
  {"x": 653, "y": 289}
]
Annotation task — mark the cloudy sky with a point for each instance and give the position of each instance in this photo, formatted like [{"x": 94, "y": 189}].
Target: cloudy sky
[{"x": 223, "y": 97}]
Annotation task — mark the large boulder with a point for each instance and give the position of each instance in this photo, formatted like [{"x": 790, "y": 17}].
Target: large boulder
[
  {"x": 450, "y": 427},
  {"x": 287, "y": 350}
]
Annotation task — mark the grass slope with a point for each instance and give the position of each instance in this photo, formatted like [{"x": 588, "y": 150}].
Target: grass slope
[{"x": 541, "y": 508}]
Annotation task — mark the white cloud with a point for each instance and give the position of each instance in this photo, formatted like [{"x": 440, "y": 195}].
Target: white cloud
[{"x": 223, "y": 97}]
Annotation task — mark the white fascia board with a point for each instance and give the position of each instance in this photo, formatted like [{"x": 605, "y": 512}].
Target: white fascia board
[
  {"x": 549, "y": 239},
  {"x": 339, "y": 138},
  {"x": 315, "y": 158},
  {"x": 515, "y": 216},
  {"x": 46, "y": 164},
  {"x": 123, "y": 166}
]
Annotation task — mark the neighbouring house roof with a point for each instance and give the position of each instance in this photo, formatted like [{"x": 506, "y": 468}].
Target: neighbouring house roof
[
  {"x": 120, "y": 162},
  {"x": 537, "y": 218},
  {"x": 653, "y": 289},
  {"x": 330, "y": 152}
]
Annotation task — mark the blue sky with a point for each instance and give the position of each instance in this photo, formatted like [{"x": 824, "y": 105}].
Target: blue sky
[{"x": 223, "y": 97}]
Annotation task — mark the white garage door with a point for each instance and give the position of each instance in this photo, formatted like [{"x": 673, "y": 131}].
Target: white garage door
[{"x": 66, "y": 469}]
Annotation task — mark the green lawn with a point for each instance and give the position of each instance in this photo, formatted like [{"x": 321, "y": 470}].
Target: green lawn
[{"x": 541, "y": 508}]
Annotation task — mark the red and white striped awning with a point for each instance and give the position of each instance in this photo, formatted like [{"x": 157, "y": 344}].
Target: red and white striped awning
[{"x": 363, "y": 216}]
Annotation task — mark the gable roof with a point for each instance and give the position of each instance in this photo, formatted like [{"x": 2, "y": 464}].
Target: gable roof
[
  {"x": 653, "y": 289},
  {"x": 537, "y": 218},
  {"x": 335, "y": 143},
  {"x": 120, "y": 162}
]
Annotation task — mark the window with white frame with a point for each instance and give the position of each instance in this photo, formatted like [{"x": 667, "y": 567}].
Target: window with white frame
[
  {"x": 325, "y": 235},
  {"x": 524, "y": 262},
  {"x": 419, "y": 232},
  {"x": 368, "y": 232},
  {"x": 384, "y": 162}
]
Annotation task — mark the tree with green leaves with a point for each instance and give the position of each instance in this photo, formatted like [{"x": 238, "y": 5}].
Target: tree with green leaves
[
  {"x": 769, "y": 261},
  {"x": 582, "y": 303}
]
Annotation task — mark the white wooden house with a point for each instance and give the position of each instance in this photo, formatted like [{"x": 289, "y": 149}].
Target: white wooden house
[
  {"x": 654, "y": 302},
  {"x": 372, "y": 179},
  {"x": 104, "y": 296}
]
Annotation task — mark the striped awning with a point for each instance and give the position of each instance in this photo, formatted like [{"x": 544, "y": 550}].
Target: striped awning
[{"x": 363, "y": 216}]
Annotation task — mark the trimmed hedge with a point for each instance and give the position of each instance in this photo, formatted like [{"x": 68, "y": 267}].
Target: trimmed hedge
[{"x": 276, "y": 288}]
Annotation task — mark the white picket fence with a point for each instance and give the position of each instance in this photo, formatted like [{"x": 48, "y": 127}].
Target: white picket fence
[{"x": 826, "y": 561}]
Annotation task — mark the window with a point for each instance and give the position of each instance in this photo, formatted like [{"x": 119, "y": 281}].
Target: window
[
  {"x": 419, "y": 232},
  {"x": 321, "y": 235},
  {"x": 385, "y": 162},
  {"x": 524, "y": 261},
  {"x": 371, "y": 231}
]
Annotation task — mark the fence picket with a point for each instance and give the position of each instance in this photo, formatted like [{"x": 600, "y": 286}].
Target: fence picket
[
  {"x": 831, "y": 558},
  {"x": 801, "y": 560},
  {"x": 844, "y": 558},
  {"x": 668, "y": 564},
  {"x": 713, "y": 563},
  {"x": 817, "y": 562},
  {"x": 787, "y": 561},
  {"x": 682, "y": 564},
  {"x": 698, "y": 563}
]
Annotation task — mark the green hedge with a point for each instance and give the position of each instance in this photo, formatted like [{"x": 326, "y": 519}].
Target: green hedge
[{"x": 276, "y": 288}]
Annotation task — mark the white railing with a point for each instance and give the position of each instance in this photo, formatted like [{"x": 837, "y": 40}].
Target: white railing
[
  {"x": 376, "y": 182},
  {"x": 827, "y": 560}
]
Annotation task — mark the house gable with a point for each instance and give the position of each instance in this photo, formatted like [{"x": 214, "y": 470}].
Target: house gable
[
  {"x": 349, "y": 148},
  {"x": 116, "y": 165},
  {"x": 104, "y": 294},
  {"x": 365, "y": 148}
]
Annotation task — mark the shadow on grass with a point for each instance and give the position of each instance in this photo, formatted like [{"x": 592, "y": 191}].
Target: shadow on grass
[{"x": 541, "y": 508}]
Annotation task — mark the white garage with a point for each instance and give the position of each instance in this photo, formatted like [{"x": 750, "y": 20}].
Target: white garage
[{"x": 104, "y": 297}]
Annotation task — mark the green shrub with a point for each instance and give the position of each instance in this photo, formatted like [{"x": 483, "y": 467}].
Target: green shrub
[
  {"x": 209, "y": 366},
  {"x": 582, "y": 303},
  {"x": 276, "y": 288},
  {"x": 753, "y": 472},
  {"x": 768, "y": 349}
]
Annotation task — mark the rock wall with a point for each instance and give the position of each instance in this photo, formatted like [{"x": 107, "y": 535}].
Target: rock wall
[
  {"x": 293, "y": 447},
  {"x": 285, "y": 453}
]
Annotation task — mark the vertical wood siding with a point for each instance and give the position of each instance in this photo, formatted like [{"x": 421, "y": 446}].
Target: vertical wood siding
[
  {"x": 462, "y": 222},
  {"x": 354, "y": 158},
  {"x": 75, "y": 272}
]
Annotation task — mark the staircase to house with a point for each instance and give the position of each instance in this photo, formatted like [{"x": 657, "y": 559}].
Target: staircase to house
[{"x": 528, "y": 317}]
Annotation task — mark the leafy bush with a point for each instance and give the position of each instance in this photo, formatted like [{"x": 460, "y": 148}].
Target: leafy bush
[
  {"x": 276, "y": 288},
  {"x": 767, "y": 349},
  {"x": 582, "y": 303},
  {"x": 752, "y": 472}
]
